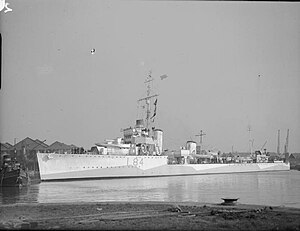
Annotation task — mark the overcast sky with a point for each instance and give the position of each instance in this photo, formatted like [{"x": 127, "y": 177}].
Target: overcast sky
[{"x": 230, "y": 65}]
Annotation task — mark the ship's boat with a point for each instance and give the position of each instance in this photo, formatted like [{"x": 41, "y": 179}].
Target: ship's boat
[
  {"x": 139, "y": 153},
  {"x": 12, "y": 174}
]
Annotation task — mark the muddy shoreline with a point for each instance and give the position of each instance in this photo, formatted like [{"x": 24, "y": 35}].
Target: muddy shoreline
[{"x": 147, "y": 216}]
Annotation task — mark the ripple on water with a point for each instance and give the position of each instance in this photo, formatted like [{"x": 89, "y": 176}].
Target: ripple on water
[{"x": 272, "y": 188}]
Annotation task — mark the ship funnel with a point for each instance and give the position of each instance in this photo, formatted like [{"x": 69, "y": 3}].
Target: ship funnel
[
  {"x": 139, "y": 123},
  {"x": 191, "y": 146},
  {"x": 158, "y": 137}
]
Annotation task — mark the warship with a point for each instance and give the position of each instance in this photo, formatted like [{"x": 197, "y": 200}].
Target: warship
[{"x": 139, "y": 153}]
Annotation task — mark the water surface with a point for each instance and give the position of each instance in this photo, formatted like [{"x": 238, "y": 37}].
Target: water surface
[{"x": 268, "y": 188}]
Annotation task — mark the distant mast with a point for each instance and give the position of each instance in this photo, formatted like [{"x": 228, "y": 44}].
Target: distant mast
[
  {"x": 278, "y": 143},
  {"x": 148, "y": 98},
  {"x": 286, "y": 151}
]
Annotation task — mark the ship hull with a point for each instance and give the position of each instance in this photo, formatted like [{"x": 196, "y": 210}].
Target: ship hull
[{"x": 84, "y": 166}]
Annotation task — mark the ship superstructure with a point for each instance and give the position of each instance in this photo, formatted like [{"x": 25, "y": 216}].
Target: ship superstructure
[
  {"x": 137, "y": 140},
  {"x": 140, "y": 139}
]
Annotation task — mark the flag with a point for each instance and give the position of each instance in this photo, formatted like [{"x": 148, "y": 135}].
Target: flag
[
  {"x": 154, "y": 114},
  {"x": 163, "y": 77}
]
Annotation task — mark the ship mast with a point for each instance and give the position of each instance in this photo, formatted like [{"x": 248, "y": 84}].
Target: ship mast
[
  {"x": 147, "y": 99},
  {"x": 250, "y": 140},
  {"x": 200, "y": 136},
  {"x": 278, "y": 143}
]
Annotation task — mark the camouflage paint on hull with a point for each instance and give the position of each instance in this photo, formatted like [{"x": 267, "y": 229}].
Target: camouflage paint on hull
[{"x": 85, "y": 166}]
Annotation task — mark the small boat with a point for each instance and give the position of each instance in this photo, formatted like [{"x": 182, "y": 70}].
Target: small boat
[
  {"x": 12, "y": 174},
  {"x": 229, "y": 201}
]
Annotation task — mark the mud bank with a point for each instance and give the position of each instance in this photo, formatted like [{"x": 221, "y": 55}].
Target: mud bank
[{"x": 148, "y": 216}]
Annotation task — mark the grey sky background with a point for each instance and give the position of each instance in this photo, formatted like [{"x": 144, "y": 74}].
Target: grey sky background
[{"x": 53, "y": 88}]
